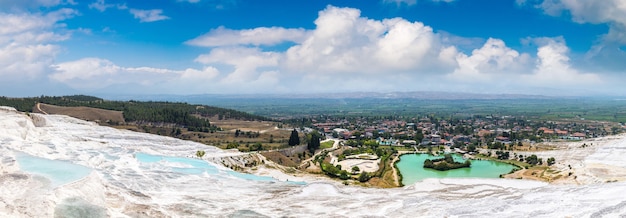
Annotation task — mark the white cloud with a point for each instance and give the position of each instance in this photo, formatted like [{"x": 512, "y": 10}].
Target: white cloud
[
  {"x": 25, "y": 4},
  {"x": 95, "y": 73},
  {"x": 26, "y": 51},
  {"x": 492, "y": 61},
  {"x": 344, "y": 42},
  {"x": 102, "y": 6},
  {"x": 612, "y": 12},
  {"x": 257, "y": 36},
  {"x": 584, "y": 11},
  {"x": 344, "y": 52},
  {"x": 246, "y": 63},
  {"x": 495, "y": 65},
  {"x": 411, "y": 2},
  {"x": 145, "y": 16},
  {"x": 609, "y": 48},
  {"x": 553, "y": 67},
  {"x": 190, "y": 1},
  {"x": 25, "y": 61},
  {"x": 400, "y": 2}
]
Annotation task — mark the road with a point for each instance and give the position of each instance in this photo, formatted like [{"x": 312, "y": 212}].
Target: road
[
  {"x": 333, "y": 158},
  {"x": 40, "y": 110}
]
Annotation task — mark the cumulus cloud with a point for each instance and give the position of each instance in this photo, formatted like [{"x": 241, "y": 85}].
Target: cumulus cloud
[
  {"x": 95, "y": 73},
  {"x": 584, "y": 11},
  {"x": 347, "y": 51},
  {"x": 344, "y": 52},
  {"x": 26, "y": 49},
  {"x": 553, "y": 66},
  {"x": 345, "y": 42},
  {"x": 245, "y": 61},
  {"x": 493, "y": 59},
  {"x": 496, "y": 64},
  {"x": 146, "y": 16},
  {"x": 611, "y": 12},
  {"x": 257, "y": 36}
]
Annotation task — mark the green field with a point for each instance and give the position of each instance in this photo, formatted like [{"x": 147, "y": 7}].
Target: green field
[
  {"x": 328, "y": 144},
  {"x": 600, "y": 109}
]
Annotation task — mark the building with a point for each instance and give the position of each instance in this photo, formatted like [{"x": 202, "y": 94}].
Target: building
[
  {"x": 409, "y": 142},
  {"x": 502, "y": 139}
]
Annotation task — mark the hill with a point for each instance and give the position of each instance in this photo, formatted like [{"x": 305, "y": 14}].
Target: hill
[
  {"x": 201, "y": 123},
  {"x": 193, "y": 117},
  {"x": 84, "y": 113}
]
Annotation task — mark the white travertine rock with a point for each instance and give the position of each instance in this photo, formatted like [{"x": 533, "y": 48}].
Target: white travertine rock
[{"x": 122, "y": 186}]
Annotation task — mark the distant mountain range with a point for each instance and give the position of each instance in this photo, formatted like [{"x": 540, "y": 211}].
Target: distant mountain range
[{"x": 346, "y": 95}]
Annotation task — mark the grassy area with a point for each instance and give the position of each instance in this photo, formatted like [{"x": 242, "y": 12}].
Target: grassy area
[
  {"x": 395, "y": 165},
  {"x": 399, "y": 148},
  {"x": 517, "y": 163},
  {"x": 328, "y": 144}
]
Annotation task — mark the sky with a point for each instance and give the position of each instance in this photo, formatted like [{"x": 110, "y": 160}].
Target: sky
[{"x": 184, "y": 47}]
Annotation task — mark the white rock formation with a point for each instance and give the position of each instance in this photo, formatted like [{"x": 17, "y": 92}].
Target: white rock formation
[{"x": 120, "y": 185}]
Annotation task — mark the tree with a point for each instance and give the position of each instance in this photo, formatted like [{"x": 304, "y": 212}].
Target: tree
[
  {"x": 294, "y": 139},
  {"x": 314, "y": 143},
  {"x": 471, "y": 148},
  {"x": 343, "y": 175},
  {"x": 256, "y": 147},
  {"x": 532, "y": 160},
  {"x": 551, "y": 161},
  {"x": 355, "y": 169},
  {"x": 363, "y": 177}
]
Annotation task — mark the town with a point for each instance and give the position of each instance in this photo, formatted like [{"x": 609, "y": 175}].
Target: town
[{"x": 498, "y": 132}]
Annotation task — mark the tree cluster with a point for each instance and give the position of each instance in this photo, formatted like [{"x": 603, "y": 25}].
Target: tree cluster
[
  {"x": 335, "y": 171},
  {"x": 445, "y": 163},
  {"x": 503, "y": 155},
  {"x": 314, "y": 142},
  {"x": 534, "y": 160}
]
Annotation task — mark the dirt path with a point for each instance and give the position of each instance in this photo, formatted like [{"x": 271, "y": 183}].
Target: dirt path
[
  {"x": 40, "y": 110},
  {"x": 395, "y": 173},
  {"x": 335, "y": 146}
]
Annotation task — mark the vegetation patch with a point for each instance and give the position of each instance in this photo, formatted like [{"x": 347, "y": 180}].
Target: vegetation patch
[
  {"x": 445, "y": 163},
  {"x": 327, "y": 144}
]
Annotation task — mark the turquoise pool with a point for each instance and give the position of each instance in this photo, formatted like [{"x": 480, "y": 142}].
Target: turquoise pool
[
  {"x": 196, "y": 166},
  {"x": 57, "y": 171},
  {"x": 412, "y": 168}
]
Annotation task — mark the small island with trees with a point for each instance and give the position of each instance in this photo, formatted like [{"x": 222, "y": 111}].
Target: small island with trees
[{"x": 445, "y": 163}]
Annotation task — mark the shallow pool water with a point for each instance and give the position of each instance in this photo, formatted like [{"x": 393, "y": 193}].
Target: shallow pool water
[
  {"x": 57, "y": 171},
  {"x": 412, "y": 168},
  {"x": 196, "y": 166}
]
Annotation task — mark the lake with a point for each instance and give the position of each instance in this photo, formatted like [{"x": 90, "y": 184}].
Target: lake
[{"x": 412, "y": 168}]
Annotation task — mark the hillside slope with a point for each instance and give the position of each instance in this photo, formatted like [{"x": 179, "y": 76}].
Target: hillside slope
[{"x": 83, "y": 113}]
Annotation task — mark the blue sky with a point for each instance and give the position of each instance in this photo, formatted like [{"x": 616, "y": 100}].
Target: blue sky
[{"x": 549, "y": 47}]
